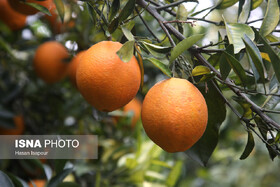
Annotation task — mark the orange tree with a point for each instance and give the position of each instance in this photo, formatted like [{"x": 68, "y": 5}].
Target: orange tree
[{"x": 232, "y": 61}]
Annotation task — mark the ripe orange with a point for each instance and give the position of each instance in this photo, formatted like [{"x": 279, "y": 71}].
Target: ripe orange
[
  {"x": 38, "y": 183},
  {"x": 174, "y": 114},
  {"x": 72, "y": 67},
  {"x": 49, "y": 61},
  {"x": 10, "y": 17},
  {"x": 20, "y": 6},
  {"x": 135, "y": 106},
  {"x": 104, "y": 80},
  {"x": 19, "y": 127}
]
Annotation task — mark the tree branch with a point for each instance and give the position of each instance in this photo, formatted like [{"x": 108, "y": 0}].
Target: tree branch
[{"x": 152, "y": 10}]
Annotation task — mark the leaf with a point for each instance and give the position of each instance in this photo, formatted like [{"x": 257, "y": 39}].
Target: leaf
[
  {"x": 226, "y": 3},
  {"x": 225, "y": 67},
  {"x": 237, "y": 68},
  {"x": 5, "y": 180},
  {"x": 200, "y": 70},
  {"x": 59, "y": 165},
  {"x": 91, "y": 12},
  {"x": 256, "y": 3},
  {"x": 126, "y": 51},
  {"x": 271, "y": 18},
  {"x": 247, "y": 112},
  {"x": 114, "y": 9},
  {"x": 235, "y": 33},
  {"x": 184, "y": 45},
  {"x": 265, "y": 56},
  {"x": 127, "y": 10},
  {"x": 240, "y": 7},
  {"x": 157, "y": 48},
  {"x": 60, "y": 9},
  {"x": 244, "y": 14},
  {"x": 127, "y": 33},
  {"x": 15, "y": 180},
  {"x": 174, "y": 174},
  {"x": 141, "y": 65},
  {"x": 113, "y": 25},
  {"x": 255, "y": 54},
  {"x": 40, "y": 8},
  {"x": 161, "y": 66},
  {"x": 203, "y": 149},
  {"x": 249, "y": 146},
  {"x": 275, "y": 59},
  {"x": 56, "y": 180}
]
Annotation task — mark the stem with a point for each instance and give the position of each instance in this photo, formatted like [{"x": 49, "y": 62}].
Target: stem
[
  {"x": 174, "y": 4},
  {"x": 249, "y": 22}
]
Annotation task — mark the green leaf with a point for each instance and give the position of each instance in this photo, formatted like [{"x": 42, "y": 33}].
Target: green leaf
[
  {"x": 256, "y": 3},
  {"x": 200, "y": 70},
  {"x": 174, "y": 174},
  {"x": 235, "y": 33},
  {"x": 141, "y": 65},
  {"x": 275, "y": 59},
  {"x": 56, "y": 180},
  {"x": 203, "y": 149},
  {"x": 249, "y": 146},
  {"x": 114, "y": 9},
  {"x": 126, "y": 51},
  {"x": 214, "y": 59},
  {"x": 60, "y": 9},
  {"x": 59, "y": 165},
  {"x": 237, "y": 68},
  {"x": 225, "y": 67},
  {"x": 127, "y": 33},
  {"x": 161, "y": 66},
  {"x": 255, "y": 54},
  {"x": 247, "y": 112},
  {"x": 244, "y": 14},
  {"x": 271, "y": 18},
  {"x": 91, "y": 12},
  {"x": 15, "y": 180},
  {"x": 226, "y": 3},
  {"x": 157, "y": 48},
  {"x": 5, "y": 180},
  {"x": 127, "y": 10},
  {"x": 113, "y": 25},
  {"x": 184, "y": 45},
  {"x": 40, "y": 8}
]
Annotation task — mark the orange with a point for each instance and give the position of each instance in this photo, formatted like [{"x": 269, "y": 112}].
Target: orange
[
  {"x": 174, "y": 114},
  {"x": 104, "y": 80},
  {"x": 72, "y": 67},
  {"x": 38, "y": 183},
  {"x": 49, "y": 61},
  {"x": 20, "y": 6},
  {"x": 10, "y": 17},
  {"x": 135, "y": 106},
  {"x": 19, "y": 127}
]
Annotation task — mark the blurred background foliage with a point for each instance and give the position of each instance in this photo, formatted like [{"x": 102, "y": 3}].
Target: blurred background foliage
[{"x": 126, "y": 156}]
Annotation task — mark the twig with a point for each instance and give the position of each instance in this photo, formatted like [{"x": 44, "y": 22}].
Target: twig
[
  {"x": 146, "y": 25},
  {"x": 221, "y": 23},
  {"x": 167, "y": 33},
  {"x": 192, "y": 23},
  {"x": 253, "y": 21},
  {"x": 174, "y": 4}
]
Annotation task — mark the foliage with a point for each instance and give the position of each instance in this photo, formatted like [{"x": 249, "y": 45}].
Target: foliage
[{"x": 238, "y": 73}]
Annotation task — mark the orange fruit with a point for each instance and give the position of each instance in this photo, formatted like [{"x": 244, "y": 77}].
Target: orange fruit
[
  {"x": 174, "y": 114},
  {"x": 135, "y": 106},
  {"x": 10, "y": 17},
  {"x": 19, "y": 127},
  {"x": 104, "y": 80},
  {"x": 38, "y": 183},
  {"x": 49, "y": 61},
  {"x": 72, "y": 67},
  {"x": 20, "y": 6}
]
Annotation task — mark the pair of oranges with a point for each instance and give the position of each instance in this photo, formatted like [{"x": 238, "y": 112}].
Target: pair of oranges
[
  {"x": 15, "y": 12},
  {"x": 174, "y": 112}
]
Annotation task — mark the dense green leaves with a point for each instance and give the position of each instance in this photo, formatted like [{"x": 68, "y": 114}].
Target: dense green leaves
[
  {"x": 249, "y": 146},
  {"x": 184, "y": 45},
  {"x": 203, "y": 149},
  {"x": 271, "y": 18},
  {"x": 235, "y": 33}
]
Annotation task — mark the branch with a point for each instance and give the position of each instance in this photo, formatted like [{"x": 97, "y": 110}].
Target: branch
[
  {"x": 174, "y": 4},
  {"x": 152, "y": 10}
]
